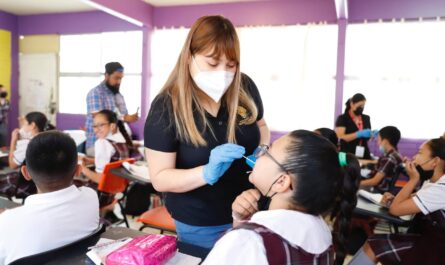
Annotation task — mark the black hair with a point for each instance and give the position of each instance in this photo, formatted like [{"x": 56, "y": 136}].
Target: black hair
[
  {"x": 111, "y": 117},
  {"x": 112, "y": 67},
  {"x": 51, "y": 159},
  {"x": 356, "y": 98},
  {"x": 390, "y": 133},
  {"x": 328, "y": 134},
  {"x": 40, "y": 120},
  {"x": 437, "y": 147},
  {"x": 322, "y": 185}
]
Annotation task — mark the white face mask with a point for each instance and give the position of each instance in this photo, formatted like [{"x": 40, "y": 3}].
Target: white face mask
[
  {"x": 24, "y": 134},
  {"x": 213, "y": 83}
]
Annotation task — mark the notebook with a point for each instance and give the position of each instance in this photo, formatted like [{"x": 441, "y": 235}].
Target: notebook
[
  {"x": 373, "y": 197},
  {"x": 105, "y": 246}
]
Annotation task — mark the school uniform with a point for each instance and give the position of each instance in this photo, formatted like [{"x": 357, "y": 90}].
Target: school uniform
[
  {"x": 47, "y": 221},
  {"x": 428, "y": 244},
  {"x": 302, "y": 237},
  {"x": 108, "y": 150},
  {"x": 387, "y": 164},
  {"x": 14, "y": 184},
  {"x": 345, "y": 120}
]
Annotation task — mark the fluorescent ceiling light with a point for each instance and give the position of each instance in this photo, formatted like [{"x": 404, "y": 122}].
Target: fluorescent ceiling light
[{"x": 114, "y": 13}]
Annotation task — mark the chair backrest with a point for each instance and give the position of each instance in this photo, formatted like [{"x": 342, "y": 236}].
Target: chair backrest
[
  {"x": 47, "y": 256},
  {"x": 111, "y": 183}
]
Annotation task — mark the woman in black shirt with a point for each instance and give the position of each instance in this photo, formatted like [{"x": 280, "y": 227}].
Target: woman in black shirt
[
  {"x": 353, "y": 128},
  {"x": 205, "y": 118}
]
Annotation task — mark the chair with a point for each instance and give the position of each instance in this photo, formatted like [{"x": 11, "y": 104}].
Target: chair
[
  {"x": 158, "y": 218},
  {"x": 78, "y": 245},
  {"x": 113, "y": 184}
]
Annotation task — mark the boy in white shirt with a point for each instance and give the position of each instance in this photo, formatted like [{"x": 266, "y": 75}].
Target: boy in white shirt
[{"x": 59, "y": 213}]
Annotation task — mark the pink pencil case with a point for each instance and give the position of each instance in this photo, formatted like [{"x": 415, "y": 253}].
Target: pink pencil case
[{"x": 144, "y": 250}]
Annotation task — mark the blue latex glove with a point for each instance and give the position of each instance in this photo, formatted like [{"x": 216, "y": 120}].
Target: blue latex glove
[
  {"x": 375, "y": 133},
  {"x": 366, "y": 133},
  {"x": 221, "y": 157}
]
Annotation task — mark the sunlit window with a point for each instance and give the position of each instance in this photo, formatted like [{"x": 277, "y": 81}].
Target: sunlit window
[
  {"x": 82, "y": 62},
  {"x": 293, "y": 67},
  {"x": 399, "y": 68}
]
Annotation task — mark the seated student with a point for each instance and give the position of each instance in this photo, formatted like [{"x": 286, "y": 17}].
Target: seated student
[
  {"x": 113, "y": 144},
  {"x": 383, "y": 173},
  {"x": 31, "y": 125},
  {"x": 59, "y": 213},
  {"x": 328, "y": 134},
  {"x": 300, "y": 178},
  {"x": 427, "y": 244}
]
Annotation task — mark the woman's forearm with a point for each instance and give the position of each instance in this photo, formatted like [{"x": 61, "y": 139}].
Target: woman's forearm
[{"x": 178, "y": 180}]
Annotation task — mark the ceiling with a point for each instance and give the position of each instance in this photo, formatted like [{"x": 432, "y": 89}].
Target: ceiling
[
  {"x": 31, "y": 7},
  {"x": 190, "y": 2}
]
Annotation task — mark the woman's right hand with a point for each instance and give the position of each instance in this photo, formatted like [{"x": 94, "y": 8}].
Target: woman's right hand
[
  {"x": 15, "y": 135},
  {"x": 366, "y": 133},
  {"x": 246, "y": 204},
  {"x": 221, "y": 157}
]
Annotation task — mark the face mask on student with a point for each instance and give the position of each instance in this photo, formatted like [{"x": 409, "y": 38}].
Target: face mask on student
[
  {"x": 425, "y": 174},
  {"x": 264, "y": 201},
  {"x": 213, "y": 83},
  {"x": 24, "y": 134},
  {"x": 382, "y": 149},
  {"x": 358, "y": 111},
  {"x": 3, "y": 94}
]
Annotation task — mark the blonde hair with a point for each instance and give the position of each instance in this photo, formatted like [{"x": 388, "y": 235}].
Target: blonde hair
[{"x": 216, "y": 34}]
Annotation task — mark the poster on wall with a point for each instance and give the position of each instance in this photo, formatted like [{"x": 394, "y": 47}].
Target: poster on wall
[{"x": 5, "y": 60}]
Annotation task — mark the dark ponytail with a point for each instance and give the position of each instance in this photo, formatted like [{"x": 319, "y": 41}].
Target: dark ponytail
[
  {"x": 356, "y": 98},
  {"x": 40, "y": 120},
  {"x": 344, "y": 206},
  {"x": 324, "y": 186},
  {"x": 111, "y": 117}
]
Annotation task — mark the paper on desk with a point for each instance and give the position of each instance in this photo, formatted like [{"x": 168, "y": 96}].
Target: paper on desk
[
  {"x": 183, "y": 259},
  {"x": 373, "y": 197},
  {"x": 140, "y": 171}
]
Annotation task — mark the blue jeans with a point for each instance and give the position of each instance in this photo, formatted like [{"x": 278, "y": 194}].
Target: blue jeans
[{"x": 203, "y": 236}]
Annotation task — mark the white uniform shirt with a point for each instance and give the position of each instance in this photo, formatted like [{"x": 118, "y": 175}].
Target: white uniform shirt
[
  {"x": 431, "y": 197},
  {"x": 20, "y": 151},
  {"x": 242, "y": 246},
  {"x": 47, "y": 221},
  {"x": 103, "y": 150}
]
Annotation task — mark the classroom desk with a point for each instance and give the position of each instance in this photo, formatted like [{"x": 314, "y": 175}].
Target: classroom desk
[
  {"x": 78, "y": 256},
  {"x": 7, "y": 204},
  {"x": 367, "y": 208},
  {"x": 123, "y": 173}
]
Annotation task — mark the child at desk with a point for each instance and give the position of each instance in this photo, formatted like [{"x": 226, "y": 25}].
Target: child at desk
[
  {"x": 427, "y": 244},
  {"x": 59, "y": 213},
  {"x": 298, "y": 179},
  {"x": 14, "y": 184},
  {"x": 385, "y": 169}
]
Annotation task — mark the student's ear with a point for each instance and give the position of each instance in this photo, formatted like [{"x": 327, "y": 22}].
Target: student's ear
[
  {"x": 283, "y": 184},
  {"x": 25, "y": 173},
  {"x": 113, "y": 127}
]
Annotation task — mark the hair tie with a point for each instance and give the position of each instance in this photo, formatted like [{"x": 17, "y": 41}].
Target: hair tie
[{"x": 342, "y": 159}]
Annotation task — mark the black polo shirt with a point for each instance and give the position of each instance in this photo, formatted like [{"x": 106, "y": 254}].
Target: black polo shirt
[
  {"x": 346, "y": 121},
  {"x": 207, "y": 205}
]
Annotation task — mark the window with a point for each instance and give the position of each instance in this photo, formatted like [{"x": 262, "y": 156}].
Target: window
[
  {"x": 399, "y": 68},
  {"x": 80, "y": 72},
  {"x": 293, "y": 67}
]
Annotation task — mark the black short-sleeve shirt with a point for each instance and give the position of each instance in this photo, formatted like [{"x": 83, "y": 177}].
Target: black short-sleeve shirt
[
  {"x": 346, "y": 121},
  {"x": 207, "y": 205}
]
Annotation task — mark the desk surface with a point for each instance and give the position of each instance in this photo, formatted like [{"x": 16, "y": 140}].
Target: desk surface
[
  {"x": 122, "y": 172},
  {"x": 367, "y": 208},
  {"x": 7, "y": 204}
]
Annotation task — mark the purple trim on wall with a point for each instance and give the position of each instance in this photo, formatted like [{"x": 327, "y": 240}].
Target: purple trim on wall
[
  {"x": 276, "y": 12},
  {"x": 67, "y": 121},
  {"x": 388, "y": 9},
  {"x": 72, "y": 23},
  {"x": 340, "y": 74},
  {"x": 9, "y": 22},
  {"x": 136, "y": 9},
  {"x": 146, "y": 74}
]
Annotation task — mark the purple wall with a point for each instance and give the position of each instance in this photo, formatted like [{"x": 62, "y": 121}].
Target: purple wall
[
  {"x": 136, "y": 9},
  {"x": 359, "y": 10},
  {"x": 9, "y": 22},
  {"x": 72, "y": 23},
  {"x": 277, "y": 12},
  {"x": 67, "y": 121}
]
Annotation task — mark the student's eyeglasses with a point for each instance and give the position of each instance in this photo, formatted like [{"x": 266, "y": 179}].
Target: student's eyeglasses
[
  {"x": 100, "y": 125},
  {"x": 263, "y": 150}
]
